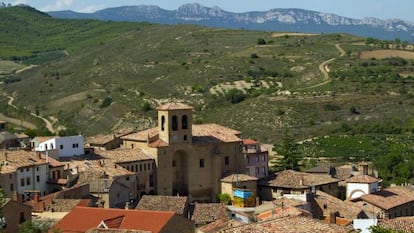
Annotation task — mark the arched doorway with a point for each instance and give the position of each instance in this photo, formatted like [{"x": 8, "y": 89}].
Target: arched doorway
[{"x": 180, "y": 173}]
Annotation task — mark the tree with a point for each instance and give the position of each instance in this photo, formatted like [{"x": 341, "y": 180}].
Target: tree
[
  {"x": 261, "y": 41},
  {"x": 289, "y": 150},
  {"x": 224, "y": 198}
]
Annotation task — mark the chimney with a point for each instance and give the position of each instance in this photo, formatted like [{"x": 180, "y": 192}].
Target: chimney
[
  {"x": 15, "y": 197},
  {"x": 363, "y": 168},
  {"x": 127, "y": 207},
  {"x": 332, "y": 217}
]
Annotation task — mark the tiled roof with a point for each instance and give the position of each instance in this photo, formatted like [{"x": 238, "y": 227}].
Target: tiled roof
[
  {"x": 218, "y": 225},
  {"x": 296, "y": 224},
  {"x": 19, "y": 159},
  {"x": 142, "y": 135},
  {"x": 81, "y": 219},
  {"x": 100, "y": 230},
  {"x": 295, "y": 179},
  {"x": 329, "y": 203},
  {"x": 404, "y": 224},
  {"x": 249, "y": 142},
  {"x": 158, "y": 143},
  {"x": 364, "y": 179},
  {"x": 123, "y": 155},
  {"x": 213, "y": 133},
  {"x": 174, "y": 106},
  {"x": 233, "y": 178},
  {"x": 324, "y": 168},
  {"x": 389, "y": 198},
  {"x": 98, "y": 167},
  {"x": 205, "y": 213},
  {"x": 100, "y": 139},
  {"x": 164, "y": 203}
]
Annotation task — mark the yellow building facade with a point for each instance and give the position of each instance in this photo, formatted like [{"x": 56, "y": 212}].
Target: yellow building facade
[{"x": 190, "y": 159}]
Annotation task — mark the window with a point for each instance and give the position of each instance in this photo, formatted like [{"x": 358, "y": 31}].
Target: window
[
  {"x": 136, "y": 168},
  {"x": 75, "y": 145},
  {"x": 127, "y": 178},
  {"x": 37, "y": 178},
  {"x": 22, "y": 182},
  {"x": 264, "y": 170},
  {"x": 248, "y": 160},
  {"x": 151, "y": 181},
  {"x": 174, "y": 163},
  {"x": 11, "y": 187},
  {"x": 201, "y": 162},
  {"x": 184, "y": 122},
  {"x": 61, "y": 147},
  {"x": 257, "y": 171},
  {"x": 27, "y": 169},
  {"x": 185, "y": 137},
  {"x": 162, "y": 123},
  {"x": 22, "y": 218},
  {"x": 10, "y": 176},
  {"x": 140, "y": 167},
  {"x": 27, "y": 181},
  {"x": 174, "y": 123},
  {"x": 226, "y": 160},
  {"x": 37, "y": 169},
  {"x": 58, "y": 174}
]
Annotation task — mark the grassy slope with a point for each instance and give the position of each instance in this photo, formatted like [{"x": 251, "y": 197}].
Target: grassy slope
[{"x": 130, "y": 63}]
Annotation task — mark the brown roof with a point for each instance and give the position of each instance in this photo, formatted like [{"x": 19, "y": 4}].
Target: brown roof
[
  {"x": 164, "y": 203},
  {"x": 213, "y": 133},
  {"x": 329, "y": 203},
  {"x": 81, "y": 219},
  {"x": 142, "y": 135},
  {"x": 158, "y": 143},
  {"x": 123, "y": 155},
  {"x": 205, "y": 213},
  {"x": 404, "y": 224},
  {"x": 100, "y": 139},
  {"x": 238, "y": 177},
  {"x": 364, "y": 179},
  {"x": 19, "y": 159},
  {"x": 98, "y": 167},
  {"x": 295, "y": 179},
  {"x": 295, "y": 224},
  {"x": 249, "y": 142},
  {"x": 389, "y": 198},
  {"x": 174, "y": 106}
]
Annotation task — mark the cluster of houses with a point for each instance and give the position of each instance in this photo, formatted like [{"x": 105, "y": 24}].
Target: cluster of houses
[{"x": 168, "y": 179}]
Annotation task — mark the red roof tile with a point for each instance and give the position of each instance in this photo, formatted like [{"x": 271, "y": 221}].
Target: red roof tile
[
  {"x": 389, "y": 198},
  {"x": 81, "y": 219},
  {"x": 249, "y": 142},
  {"x": 365, "y": 179}
]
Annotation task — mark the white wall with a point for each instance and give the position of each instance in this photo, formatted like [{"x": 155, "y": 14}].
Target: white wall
[
  {"x": 67, "y": 146},
  {"x": 351, "y": 187},
  {"x": 31, "y": 173}
]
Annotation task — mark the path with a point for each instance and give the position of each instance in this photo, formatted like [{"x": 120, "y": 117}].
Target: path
[
  {"x": 25, "y": 68},
  {"x": 323, "y": 67},
  {"x": 49, "y": 124},
  {"x": 16, "y": 121}
]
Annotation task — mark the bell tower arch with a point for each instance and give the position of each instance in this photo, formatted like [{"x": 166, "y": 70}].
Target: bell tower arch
[{"x": 175, "y": 122}]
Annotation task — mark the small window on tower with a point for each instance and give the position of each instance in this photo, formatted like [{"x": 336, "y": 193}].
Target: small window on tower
[
  {"x": 174, "y": 123},
  {"x": 201, "y": 162},
  {"x": 162, "y": 123},
  {"x": 184, "y": 122}
]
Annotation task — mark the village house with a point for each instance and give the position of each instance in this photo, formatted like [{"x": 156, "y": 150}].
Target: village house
[
  {"x": 23, "y": 172},
  {"x": 61, "y": 147},
  {"x": 86, "y": 219},
  {"x": 359, "y": 185},
  {"x": 392, "y": 202},
  {"x": 113, "y": 185},
  {"x": 294, "y": 184},
  {"x": 190, "y": 159},
  {"x": 13, "y": 213},
  {"x": 241, "y": 188},
  {"x": 257, "y": 158},
  {"x": 105, "y": 142},
  {"x": 136, "y": 161}
]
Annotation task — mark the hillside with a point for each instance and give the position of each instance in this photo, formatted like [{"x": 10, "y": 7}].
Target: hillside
[
  {"x": 292, "y": 20},
  {"x": 112, "y": 70}
]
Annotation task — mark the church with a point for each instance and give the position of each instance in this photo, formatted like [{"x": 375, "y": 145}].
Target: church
[{"x": 190, "y": 159}]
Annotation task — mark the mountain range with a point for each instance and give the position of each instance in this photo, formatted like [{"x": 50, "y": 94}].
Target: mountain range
[{"x": 296, "y": 20}]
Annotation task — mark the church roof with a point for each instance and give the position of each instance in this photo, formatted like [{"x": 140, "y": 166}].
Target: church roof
[{"x": 174, "y": 106}]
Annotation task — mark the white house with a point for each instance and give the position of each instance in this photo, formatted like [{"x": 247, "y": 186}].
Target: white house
[
  {"x": 63, "y": 146},
  {"x": 359, "y": 185}
]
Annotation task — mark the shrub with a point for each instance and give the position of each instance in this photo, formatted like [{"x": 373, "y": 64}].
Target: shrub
[
  {"x": 224, "y": 198},
  {"x": 261, "y": 41},
  {"x": 106, "y": 102},
  {"x": 235, "y": 96}
]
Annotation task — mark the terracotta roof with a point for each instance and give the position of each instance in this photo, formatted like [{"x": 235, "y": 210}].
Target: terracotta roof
[
  {"x": 218, "y": 225},
  {"x": 19, "y": 159},
  {"x": 158, "y": 143},
  {"x": 142, "y": 135},
  {"x": 389, "y": 198},
  {"x": 123, "y": 155},
  {"x": 296, "y": 224},
  {"x": 213, "y": 133},
  {"x": 52, "y": 162},
  {"x": 100, "y": 230},
  {"x": 174, "y": 106},
  {"x": 249, "y": 142},
  {"x": 205, "y": 213},
  {"x": 81, "y": 219},
  {"x": 100, "y": 139},
  {"x": 404, "y": 224},
  {"x": 233, "y": 178},
  {"x": 364, "y": 179},
  {"x": 176, "y": 204},
  {"x": 295, "y": 179},
  {"x": 329, "y": 203},
  {"x": 97, "y": 167}
]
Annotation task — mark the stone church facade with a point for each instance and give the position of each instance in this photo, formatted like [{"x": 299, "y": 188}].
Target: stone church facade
[{"x": 190, "y": 159}]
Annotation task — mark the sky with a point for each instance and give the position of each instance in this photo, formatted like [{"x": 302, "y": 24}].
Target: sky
[{"x": 383, "y": 9}]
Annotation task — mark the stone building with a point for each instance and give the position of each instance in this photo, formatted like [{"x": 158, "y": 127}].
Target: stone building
[{"x": 190, "y": 159}]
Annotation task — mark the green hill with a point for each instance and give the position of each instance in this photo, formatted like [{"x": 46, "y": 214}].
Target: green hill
[{"x": 110, "y": 70}]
